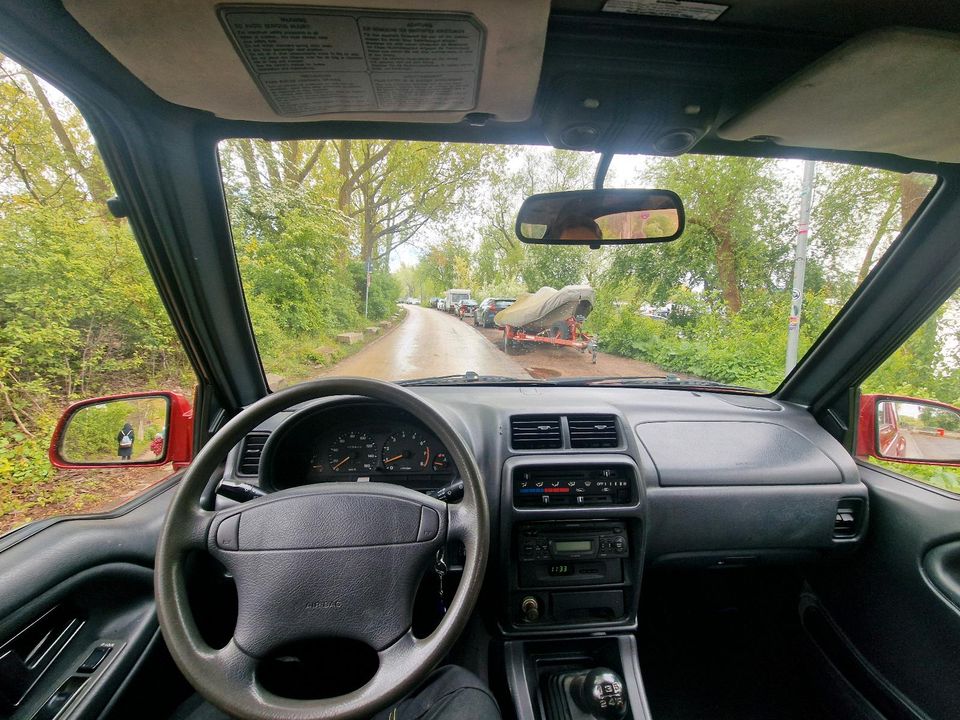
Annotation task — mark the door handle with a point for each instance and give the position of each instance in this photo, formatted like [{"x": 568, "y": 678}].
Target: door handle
[{"x": 941, "y": 565}]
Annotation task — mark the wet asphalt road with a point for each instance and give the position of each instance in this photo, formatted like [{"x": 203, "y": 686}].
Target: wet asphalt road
[{"x": 426, "y": 344}]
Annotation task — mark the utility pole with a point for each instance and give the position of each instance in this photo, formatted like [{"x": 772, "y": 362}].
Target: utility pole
[
  {"x": 800, "y": 263},
  {"x": 366, "y": 294}
]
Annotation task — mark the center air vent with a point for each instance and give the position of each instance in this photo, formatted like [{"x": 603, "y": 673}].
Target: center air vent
[
  {"x": 593, "y": 431},
  {"x": 535, "y": 432},
  {"x": 250, "y": 453}
]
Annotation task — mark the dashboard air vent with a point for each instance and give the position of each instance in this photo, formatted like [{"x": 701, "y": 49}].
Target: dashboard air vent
[
  {"x": 250, "y": 453},
  {"x": 593, "y": 431},
  {"x": 535, "y": 432},
  {"x": 849, "y": 518}
]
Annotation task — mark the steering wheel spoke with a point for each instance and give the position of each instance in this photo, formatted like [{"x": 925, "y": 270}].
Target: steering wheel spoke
[{"x": 194, "y": 528}]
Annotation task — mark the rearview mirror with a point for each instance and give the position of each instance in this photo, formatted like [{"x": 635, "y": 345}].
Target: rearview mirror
[
  {"x": 129, "y": 430},
  {"x": 601, "y": 217},
  {"x": 902, "y": 429}
]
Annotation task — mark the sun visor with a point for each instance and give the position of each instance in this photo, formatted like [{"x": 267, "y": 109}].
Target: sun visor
[
  {"x": 407, "y": 61},
  {"x": 891, "y": 91}
]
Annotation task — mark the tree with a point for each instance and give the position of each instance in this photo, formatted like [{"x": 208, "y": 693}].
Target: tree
[
  {"x": 737, "y": 227},
  {"x": 859, "y": 212}
]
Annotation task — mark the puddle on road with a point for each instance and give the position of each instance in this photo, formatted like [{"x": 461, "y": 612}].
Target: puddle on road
[{"x": 540, "y": 373}]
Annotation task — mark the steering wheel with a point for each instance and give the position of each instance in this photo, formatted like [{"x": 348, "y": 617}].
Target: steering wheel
[{"x": 333, "y": 560}]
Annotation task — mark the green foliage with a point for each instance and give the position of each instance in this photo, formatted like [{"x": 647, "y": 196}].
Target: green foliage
[
  {"x": 384, "y": 291},
  {"x": 553, "y": 265},
  {"x": 24, "y": 471},
  {"x": 945, "y": 478}
]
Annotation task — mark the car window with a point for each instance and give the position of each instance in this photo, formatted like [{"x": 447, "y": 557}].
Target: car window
[
  {"x": 79, "y": 313},
  {"x": 925, "y": 367},
  {"x": 331, "y": 234}
]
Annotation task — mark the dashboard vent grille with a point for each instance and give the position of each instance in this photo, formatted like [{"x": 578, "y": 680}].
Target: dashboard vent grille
[
  {"x": 535, "y": 432},
  {"x": 250, "y": 453},
  {"x": 849, "y": 518},
  {"x": 593, "y": 431}
]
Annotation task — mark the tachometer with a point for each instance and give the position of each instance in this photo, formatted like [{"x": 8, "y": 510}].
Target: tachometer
[
  {"x": 405, "y": 451},
  {"x": 353, "y": 452}
]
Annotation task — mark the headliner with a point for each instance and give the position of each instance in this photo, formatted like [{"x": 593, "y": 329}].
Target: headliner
[{"x": 724, "y": 67}]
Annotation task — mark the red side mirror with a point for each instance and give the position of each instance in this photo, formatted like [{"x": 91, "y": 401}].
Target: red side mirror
[
  {"x": 908, "y": 430},
  {"x": 130, "y": 430}
]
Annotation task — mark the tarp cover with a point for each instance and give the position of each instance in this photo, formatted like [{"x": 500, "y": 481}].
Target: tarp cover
[{"x": 542, "y": 309}]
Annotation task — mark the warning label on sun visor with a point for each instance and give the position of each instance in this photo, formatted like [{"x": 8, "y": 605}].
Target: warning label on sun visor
[{"x": 317, "y": 61}]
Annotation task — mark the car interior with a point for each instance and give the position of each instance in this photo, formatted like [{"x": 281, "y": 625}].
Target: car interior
[{"x": 587, "y": 551}]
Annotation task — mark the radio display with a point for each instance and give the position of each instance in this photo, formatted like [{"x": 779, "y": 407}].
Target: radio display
[{"x": 572, "y": 545}]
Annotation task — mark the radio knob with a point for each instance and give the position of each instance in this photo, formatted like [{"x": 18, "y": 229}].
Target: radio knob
[{"x": 530, "y": 609}]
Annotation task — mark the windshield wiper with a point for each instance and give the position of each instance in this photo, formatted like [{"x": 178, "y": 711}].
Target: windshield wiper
[
  {"x": 651, "y": 381},
  {"x": 472, "y": 378}
]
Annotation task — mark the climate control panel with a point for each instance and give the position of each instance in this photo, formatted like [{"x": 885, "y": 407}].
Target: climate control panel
[{"x": 573, "y": 486}]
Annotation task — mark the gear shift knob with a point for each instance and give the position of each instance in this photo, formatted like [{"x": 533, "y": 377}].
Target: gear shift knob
[{"x": 601, "y": 694}]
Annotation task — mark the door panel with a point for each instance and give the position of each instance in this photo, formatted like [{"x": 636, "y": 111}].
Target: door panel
[
  {"x": 76, "y": 610},
  {"x": 895, "y": 602}
]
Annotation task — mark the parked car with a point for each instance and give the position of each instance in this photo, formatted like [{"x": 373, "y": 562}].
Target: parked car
[
  {"x": 441, "y": 304},
  {"x": 488, "y": 308},
  {"x": 432, "y": 302}
]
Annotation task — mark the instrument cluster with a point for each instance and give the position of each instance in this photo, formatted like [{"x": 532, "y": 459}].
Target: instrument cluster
[
  {"x": 402, "y": 449},
  {"x": 364, "y": 443}
]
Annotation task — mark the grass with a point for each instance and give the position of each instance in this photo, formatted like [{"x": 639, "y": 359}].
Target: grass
[{"x": 304, "y": 358}]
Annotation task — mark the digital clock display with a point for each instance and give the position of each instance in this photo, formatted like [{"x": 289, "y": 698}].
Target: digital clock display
[
  {"x": 565, "y": 546},
  {"x": 560, "y": 570}
]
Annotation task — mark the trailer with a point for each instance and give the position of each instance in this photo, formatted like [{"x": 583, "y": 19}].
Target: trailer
[{"x": 549, "y": 317}]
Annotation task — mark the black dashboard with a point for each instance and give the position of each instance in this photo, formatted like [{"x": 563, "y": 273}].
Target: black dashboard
[{"x": 588, "y": 487}]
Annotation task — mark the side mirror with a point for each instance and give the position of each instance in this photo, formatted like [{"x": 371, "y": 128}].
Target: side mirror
[
  {"x": 908, "y": 430},
  {"x": 133, "y": 430},
  {"x": 610, "y": 216}
]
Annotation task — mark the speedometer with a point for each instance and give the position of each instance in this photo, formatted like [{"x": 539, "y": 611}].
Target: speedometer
[
  {"x": 405, "y": 451},
  {"x": 353, "y": 452}
]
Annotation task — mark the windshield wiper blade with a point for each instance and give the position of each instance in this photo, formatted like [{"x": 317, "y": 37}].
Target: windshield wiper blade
[
  {"x": 472, "y": 378},
  {"x": 652, "y": 381}
]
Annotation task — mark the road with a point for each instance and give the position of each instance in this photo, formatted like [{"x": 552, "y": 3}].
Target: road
[
  {"x": 426, "y": 344},
  {"x": 930, "y": 447}
]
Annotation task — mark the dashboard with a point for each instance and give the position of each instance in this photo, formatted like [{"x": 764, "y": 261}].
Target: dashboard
[
  {"x": 358, "y": 442},
  {"x": 589, "y": 487}
]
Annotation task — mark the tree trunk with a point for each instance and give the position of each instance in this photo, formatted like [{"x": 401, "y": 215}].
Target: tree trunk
[
  {"x": 912, "y": 193},
  {"x": 270, "y": 160},
  {"x": 249, "y": 158},
  {"x": 877, "y": 237},
  {"x": 727, "y": 271},
  {"x": 96, "y": 185},
  {"x": 345, "y": 167}
]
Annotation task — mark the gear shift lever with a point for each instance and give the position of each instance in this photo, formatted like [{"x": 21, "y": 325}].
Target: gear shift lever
[{"x": 600, "y": 693}]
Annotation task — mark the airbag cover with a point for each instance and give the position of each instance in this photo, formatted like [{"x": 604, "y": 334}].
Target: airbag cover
[{"x": 735, "y": 453}]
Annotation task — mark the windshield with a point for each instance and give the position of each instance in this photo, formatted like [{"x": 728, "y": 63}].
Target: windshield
[{"x": 357, "y": 256}]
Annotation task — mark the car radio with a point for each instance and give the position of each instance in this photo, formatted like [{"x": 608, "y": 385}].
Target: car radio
[
  {"x": 573, "y": 541},
  {"x": 572, "y": 553},
  {"x": 573, "y": 485}
]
